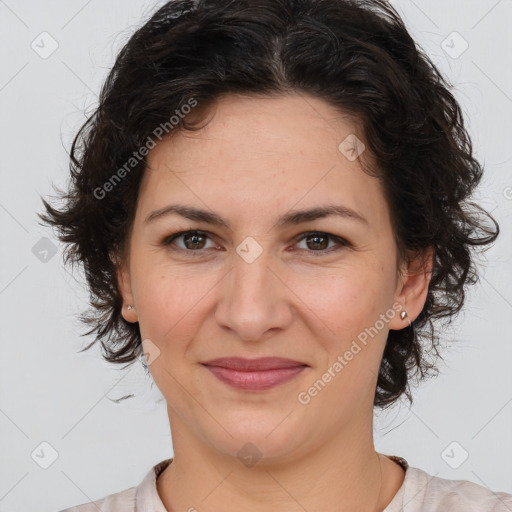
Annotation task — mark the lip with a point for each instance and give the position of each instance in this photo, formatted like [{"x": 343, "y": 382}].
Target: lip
[
  {"x": 254, "y": 374},
  {"x": 261, "y": 363}
]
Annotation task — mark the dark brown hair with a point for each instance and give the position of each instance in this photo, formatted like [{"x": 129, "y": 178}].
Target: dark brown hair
[{"x": 357, "y": 56}]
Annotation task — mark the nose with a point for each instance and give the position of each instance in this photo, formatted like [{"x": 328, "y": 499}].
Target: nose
[{"x": 254, "y": 299}]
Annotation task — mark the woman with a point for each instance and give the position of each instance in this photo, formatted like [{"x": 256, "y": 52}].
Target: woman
[{"x": 270, "y": 204}]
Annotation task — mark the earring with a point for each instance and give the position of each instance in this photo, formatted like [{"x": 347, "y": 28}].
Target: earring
[
  {"x": 130, "y": 306},
  {"x": 403, "y": 314}
]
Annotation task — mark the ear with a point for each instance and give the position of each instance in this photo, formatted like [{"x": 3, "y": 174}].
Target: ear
[
  {"x": 125, "y": 288},
  {"x": 412, "y": 288}
]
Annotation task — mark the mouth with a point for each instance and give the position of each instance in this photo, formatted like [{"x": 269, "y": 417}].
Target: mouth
[
  {"x": 254, "y": 374},
  {"x": 249, "y": 365}
]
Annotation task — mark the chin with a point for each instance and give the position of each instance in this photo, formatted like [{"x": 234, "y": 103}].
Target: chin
[{"x": 261, "y": 440}]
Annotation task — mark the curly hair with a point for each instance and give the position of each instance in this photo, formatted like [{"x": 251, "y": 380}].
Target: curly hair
[{"x": 357, "y": 56}]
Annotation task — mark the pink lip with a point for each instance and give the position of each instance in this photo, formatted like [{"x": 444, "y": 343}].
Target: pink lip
[{"x": 254, "y": 374}]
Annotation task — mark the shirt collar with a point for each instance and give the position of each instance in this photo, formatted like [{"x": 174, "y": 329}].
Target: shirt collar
[{"x": 147, "y": 498}]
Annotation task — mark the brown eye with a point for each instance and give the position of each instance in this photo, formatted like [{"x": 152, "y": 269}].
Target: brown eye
[
  {"x": 193, "y": 241},
  {"x": 317, "y": 243}
]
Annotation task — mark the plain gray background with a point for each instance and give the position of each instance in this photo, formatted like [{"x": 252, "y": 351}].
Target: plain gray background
[{"x": 52, "y": 394}]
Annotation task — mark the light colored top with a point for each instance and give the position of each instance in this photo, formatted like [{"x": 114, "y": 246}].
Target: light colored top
[{"x": 420, "y": 492}]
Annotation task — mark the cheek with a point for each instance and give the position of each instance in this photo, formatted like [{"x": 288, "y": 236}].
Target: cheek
[
  {"x": 349, "y": 307},
  {"x": 170, "y": 311},
  {"x": 345, "y": 300},
  {"x": 169, "y": 303}
]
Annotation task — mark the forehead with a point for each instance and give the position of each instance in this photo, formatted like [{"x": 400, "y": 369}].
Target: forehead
[
  {"x": 262, "y": 154},
  {"x": 250, "y": 126}
]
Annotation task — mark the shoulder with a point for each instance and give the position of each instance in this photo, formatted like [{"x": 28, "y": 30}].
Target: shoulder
[
  {"x": 135, "y": 499},
  {"x": 123, "y": 501},
  {"x": 422, "y": 492}
]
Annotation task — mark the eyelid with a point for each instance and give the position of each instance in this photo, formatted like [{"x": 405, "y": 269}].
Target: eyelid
[
  {"x": 169, "y": 239},
  {"x": 341, "y": 242}
]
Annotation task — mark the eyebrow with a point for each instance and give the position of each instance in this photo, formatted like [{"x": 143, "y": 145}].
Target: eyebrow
[{"x": 288, "y": 219}]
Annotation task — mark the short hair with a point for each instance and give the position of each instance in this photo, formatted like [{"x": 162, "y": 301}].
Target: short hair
[{"x": 356, "y": 55}]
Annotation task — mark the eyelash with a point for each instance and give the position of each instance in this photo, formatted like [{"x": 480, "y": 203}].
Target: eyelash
[{"x": 167, "y": 241}]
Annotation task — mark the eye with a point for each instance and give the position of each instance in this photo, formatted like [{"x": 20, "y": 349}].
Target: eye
[
  {"x": 195, "y": 241},
  {"x": 318, "y": 242}
]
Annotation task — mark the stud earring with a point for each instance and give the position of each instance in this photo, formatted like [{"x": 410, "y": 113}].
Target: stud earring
[
  {"x": 403, "y": 314},
  {"x": 130, "y": 306}
]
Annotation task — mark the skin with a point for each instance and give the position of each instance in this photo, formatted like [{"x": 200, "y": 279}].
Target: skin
[{"x": 257, "y": 159}]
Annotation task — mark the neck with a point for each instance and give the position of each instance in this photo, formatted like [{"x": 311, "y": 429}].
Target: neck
[{"x": 337, "y": 475}]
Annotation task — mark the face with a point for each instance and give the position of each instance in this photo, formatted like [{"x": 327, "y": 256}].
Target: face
[{"x": 261, "y": 282}]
